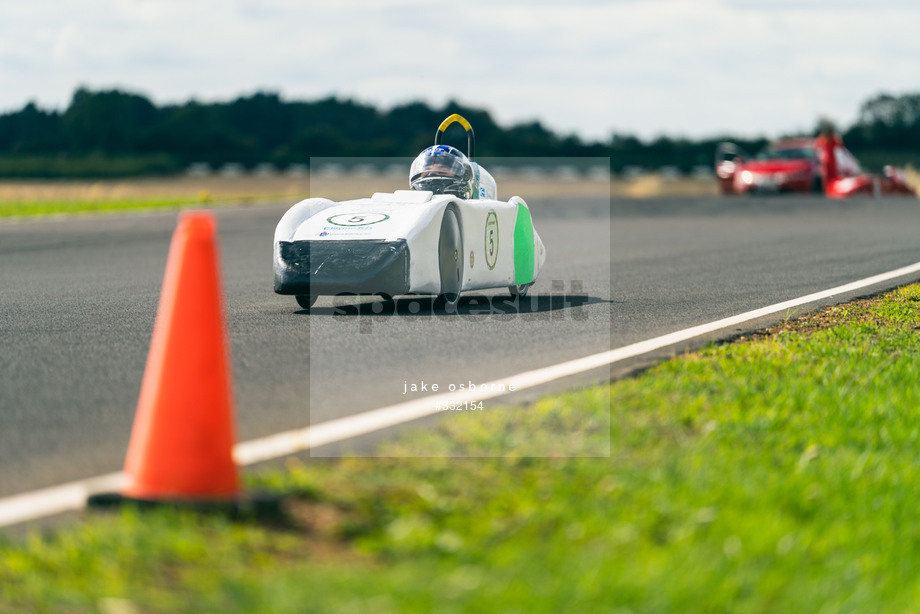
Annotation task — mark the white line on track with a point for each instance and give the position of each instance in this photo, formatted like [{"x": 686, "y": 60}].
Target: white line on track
[{"x": 72, "y": 496}]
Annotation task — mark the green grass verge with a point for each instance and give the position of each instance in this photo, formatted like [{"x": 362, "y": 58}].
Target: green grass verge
[
  {"x": 39, "y": 208},
  {"x": 12, "y": 209},
  {"x": 774, "y": 474}
]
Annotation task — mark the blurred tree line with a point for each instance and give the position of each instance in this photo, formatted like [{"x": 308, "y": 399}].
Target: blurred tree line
[
  {"x": 116, "y": 133},
  {"x": 887, "y": 131}
]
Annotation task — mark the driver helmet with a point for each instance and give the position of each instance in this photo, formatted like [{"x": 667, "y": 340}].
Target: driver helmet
[{"x": 442, "y": 169}]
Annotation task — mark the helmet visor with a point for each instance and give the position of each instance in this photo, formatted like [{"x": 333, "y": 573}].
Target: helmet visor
[{"x": 437, "y": 164}]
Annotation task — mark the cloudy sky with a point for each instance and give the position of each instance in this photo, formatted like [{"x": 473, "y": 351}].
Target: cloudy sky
[{"x": 590, "y": 67}]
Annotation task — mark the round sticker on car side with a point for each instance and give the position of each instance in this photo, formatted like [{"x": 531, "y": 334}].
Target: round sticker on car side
[
  {"x": 491, "y": 239},
  {"x": 357, "y": 219}
]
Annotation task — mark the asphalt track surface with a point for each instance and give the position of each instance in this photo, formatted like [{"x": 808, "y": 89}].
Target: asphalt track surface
[{"x": 78, "y": 300}]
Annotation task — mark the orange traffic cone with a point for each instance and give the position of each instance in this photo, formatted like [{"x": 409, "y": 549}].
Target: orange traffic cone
[
  {"x": 181, "y": 447},
  {"x": 182, "y": 441}
]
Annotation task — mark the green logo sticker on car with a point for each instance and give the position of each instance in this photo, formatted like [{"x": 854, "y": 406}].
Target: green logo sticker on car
[
  {"x": 491, "y": 239},
  {"x": 357, "y": 219}
]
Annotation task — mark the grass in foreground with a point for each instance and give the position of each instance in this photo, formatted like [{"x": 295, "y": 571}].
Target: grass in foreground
[{"x": 775, "y": 474}]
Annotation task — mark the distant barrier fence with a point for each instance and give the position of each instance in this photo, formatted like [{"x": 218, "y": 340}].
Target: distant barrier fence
[{"x": 564, "y": 172}]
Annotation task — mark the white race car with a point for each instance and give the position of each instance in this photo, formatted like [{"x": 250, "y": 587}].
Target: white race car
[{"x": 446, "y": 235}]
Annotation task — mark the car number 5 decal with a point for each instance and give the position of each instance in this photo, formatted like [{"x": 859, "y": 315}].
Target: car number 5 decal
[
  {"x": 491, "y": 239},
  {"x": 357, "y": 219}
]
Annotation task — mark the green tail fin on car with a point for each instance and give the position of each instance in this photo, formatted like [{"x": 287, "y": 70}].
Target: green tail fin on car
[{"x": 523, "y": 246}]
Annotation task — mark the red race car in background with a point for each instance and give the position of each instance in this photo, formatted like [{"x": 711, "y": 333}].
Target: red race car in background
[{"x": 821, "y": 165}]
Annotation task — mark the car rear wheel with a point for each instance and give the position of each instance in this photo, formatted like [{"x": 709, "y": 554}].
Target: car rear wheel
[
  {"x": 305, "y": 300},
  {"x": 450, "y": 262},
  {"x": 519, "y": 290}
]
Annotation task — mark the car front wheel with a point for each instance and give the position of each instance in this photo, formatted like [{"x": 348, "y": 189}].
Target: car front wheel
[
  {"x": 450, "y": 260},
  {"x": 305, "y": 300}
]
